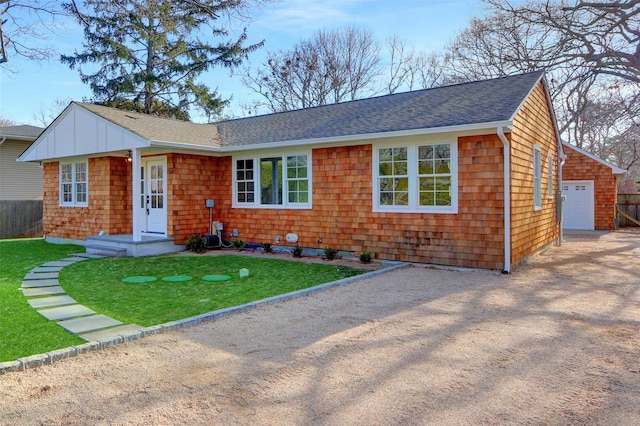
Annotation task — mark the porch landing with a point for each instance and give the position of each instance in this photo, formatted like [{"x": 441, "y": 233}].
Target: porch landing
[{"x": 123, "y": 245}]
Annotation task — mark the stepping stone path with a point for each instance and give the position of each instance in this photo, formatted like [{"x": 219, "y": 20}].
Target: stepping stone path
[{"x": 49, "y": 299}]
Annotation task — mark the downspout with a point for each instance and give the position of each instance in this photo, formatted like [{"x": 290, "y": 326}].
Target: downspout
[
  {"x": 507, "y": 200},
  {"x": 3, "y": 139},
  {"x": 562, "y": 158}
]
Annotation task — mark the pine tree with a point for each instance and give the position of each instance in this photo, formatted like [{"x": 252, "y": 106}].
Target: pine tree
[{"x": 145, "y": 55}]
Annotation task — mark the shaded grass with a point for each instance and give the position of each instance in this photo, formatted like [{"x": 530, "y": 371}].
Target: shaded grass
[
  {"x": 23, "y": 331},
  {"x": 98, "y": 284}
]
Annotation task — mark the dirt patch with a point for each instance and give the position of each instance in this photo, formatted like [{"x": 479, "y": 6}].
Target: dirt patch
[{"x": 556, "y": 342}]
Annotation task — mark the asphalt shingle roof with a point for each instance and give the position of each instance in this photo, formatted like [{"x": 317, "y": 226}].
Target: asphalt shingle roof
[
  {"x": 486, "y": 101},
  {"x": 157, "y": 128},
  {"x": 22, "y": 132},
  {"x": 461, "y": 104}
]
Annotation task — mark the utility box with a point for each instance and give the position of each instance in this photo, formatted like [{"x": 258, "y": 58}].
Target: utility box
[{"x": 213, "y": 241}]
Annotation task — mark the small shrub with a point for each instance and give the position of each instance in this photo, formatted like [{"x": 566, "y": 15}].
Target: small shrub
[
  {"x": 237, "y": 243},
  {"x": 197, "y": 243},
  {"x": 267, "y": 248},
  {"x": 297, "y": 251},
  {"x": 330, "y": 253},
  {"x": 365, "y": 257}
]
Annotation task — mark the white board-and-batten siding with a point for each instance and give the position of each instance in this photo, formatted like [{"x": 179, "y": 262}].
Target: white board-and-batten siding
[{"x": 78, "y": 132}]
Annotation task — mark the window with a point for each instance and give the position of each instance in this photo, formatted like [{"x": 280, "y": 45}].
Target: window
[
  {"x": 73, "y": 184},
  {"x": 244, "y": 181},
  {"x": 549, "y": 176},
  {"x": 537, "y": 178},
  {"x": 283, "y": 181},
  {"x": 394, "y": 177},
  {"x": 416, "y": 178}
]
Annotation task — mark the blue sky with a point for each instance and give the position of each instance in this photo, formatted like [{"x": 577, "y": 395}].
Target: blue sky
[{"x": 425, "y": 24}]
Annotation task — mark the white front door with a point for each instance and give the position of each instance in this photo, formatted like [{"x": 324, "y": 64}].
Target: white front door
[
  {"x": 154, "y": 195},
  {"x": 578, "y": 209}
]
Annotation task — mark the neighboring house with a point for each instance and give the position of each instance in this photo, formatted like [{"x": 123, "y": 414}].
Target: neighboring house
[
  {"x": 20, "y": 185},
  {"x": 424, "y": 176},
  {"x": 591, "y": 189}
]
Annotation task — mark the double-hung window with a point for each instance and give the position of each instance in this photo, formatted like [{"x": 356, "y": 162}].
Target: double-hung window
[
  {"x": 537, "y": 178},
  {"x": 74, "y": 184},
  {"x": 273, "y": 181},
  {"x": 418, "y": 177}
]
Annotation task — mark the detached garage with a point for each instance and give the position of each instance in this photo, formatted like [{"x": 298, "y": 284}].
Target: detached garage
[{"x": 590, "y": 186}]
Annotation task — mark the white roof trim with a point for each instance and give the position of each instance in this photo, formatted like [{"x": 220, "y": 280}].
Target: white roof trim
[
  {"x": 533, "y": 87},
  {"x": 17, "y": 138},
  {"x": 614, "y": 169}
]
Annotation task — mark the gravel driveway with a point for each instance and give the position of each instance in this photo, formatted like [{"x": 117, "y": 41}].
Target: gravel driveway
[{"x": 556, "y": 342}]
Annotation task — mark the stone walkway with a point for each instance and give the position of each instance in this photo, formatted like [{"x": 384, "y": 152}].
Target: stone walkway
[{"x": 46, "y": 296}]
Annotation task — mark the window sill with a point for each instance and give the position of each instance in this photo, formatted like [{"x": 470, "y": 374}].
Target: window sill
[{"x": 272, "y": 207}]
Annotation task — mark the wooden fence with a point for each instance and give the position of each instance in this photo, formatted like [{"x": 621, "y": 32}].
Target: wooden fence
[
  {"x": 628, "y": 207},
  {"x": 20, "y": 219}
]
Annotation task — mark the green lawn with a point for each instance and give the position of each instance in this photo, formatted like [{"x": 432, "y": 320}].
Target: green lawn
[
  {"x": 97, "y": 284},
  {"x": 23, "y": 331}
]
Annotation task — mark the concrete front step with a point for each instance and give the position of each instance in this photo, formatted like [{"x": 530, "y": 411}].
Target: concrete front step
[
  {"x": 87, "y": 324},
  {"x": 106, "y": 251},
  {"x": 88, "y": 255}
]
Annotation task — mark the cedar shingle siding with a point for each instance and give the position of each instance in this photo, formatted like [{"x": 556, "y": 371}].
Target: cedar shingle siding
[{"x": 342, "y": 215}]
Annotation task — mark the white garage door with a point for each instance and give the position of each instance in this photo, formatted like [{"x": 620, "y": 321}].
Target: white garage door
[{"x": 578, "y": 209}]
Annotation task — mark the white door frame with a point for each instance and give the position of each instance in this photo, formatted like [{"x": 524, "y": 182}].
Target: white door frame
[{"x": 143, "y": 200}]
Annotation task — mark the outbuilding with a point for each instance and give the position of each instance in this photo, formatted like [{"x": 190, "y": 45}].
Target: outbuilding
[{"x": 590, "y": 187}]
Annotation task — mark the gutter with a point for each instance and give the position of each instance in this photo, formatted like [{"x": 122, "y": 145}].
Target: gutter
[{"x": 507, "y": 200}]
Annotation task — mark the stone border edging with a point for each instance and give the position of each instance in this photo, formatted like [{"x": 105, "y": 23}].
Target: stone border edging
[{"x": 34, "y": 361}]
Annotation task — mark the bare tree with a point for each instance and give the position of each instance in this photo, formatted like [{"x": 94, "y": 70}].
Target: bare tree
[
  {"x": 332, "y": 66},
  {"x": 603, "y": 35},
  {"x": 411, "y": 69},
  {"x": 24, "y": 25},
  {"x": 5, "y": 122},
  {"x": 45, "y": 115},
  {"x": 590, "y": 50}
]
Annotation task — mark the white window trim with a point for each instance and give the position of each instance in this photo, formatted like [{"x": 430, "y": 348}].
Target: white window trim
[
  {"x": 549, "y": 176},
  {"x": 412, "y": 165},
  {"x": 257, "y": 204},
  {"x": 537, "y": 178},
  {"x": 73, "y": 203}
]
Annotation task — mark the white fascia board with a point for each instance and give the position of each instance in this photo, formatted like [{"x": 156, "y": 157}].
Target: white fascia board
[{"x": 614, "y": 169}]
